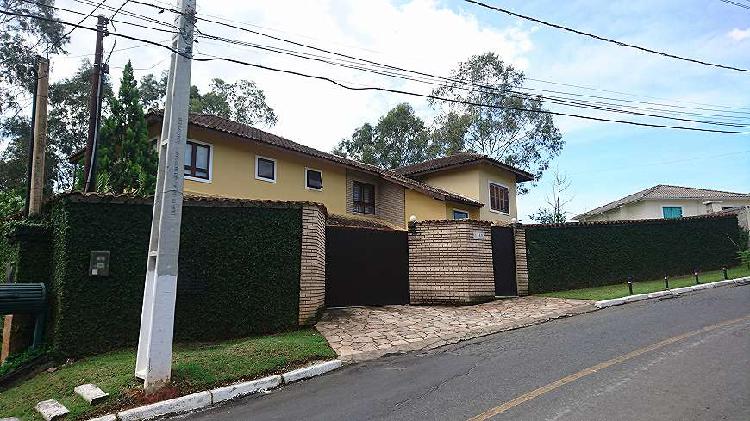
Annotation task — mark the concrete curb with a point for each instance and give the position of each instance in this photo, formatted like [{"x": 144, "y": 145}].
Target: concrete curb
[
  {"x": 671, "y": 292},
  {"x": 208, "y": 398}
]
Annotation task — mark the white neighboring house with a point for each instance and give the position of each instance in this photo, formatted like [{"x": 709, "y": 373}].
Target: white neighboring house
[{"x": 664, "y": 201}]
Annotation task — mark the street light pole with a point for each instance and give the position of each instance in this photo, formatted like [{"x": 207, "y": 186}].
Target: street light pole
[{"x": 154, "y": 360}]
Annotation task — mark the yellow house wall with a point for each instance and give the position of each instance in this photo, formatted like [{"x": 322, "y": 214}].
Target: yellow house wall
[
  {"x": 463, "y": 180},
  {"x": 233, "y": 173},
  {"x": 423, "y": 207}
]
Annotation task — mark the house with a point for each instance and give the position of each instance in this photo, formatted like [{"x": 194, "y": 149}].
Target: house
[
  {"x": 665, "y": 201},
  {"x": 225, "y": 158}
]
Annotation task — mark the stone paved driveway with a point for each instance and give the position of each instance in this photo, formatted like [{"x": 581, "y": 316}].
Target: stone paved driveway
[{"x": 363, "y": 333}]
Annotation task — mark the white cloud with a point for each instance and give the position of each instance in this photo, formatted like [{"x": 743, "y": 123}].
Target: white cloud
[
  {"x": 738, "y": 34},
  {"x": 422, "y": 35}
]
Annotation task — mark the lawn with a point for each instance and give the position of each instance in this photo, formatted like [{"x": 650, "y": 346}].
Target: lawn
[
  {"x": 195, "y": 367},
  {"x": 621, "y": 290}
]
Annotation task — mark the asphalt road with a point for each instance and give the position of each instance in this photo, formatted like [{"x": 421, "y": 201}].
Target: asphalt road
[{"x": 685, "y": 358}]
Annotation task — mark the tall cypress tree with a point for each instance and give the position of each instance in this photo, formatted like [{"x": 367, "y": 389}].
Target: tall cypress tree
[{"x": 127, "y": 161}]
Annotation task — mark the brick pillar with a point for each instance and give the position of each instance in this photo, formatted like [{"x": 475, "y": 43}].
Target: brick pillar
[
  {"x": 312, "y": 283},
  {"x": 450, "y": 262},
  {"x": 522, "y": 267}
]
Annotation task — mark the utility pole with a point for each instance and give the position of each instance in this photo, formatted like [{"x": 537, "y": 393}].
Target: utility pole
[
  {"x": 154, "y": 361},
  {"x": 36, "y": 188},
  {"x": 30, "y": 161},
  {"x": 95, "y": 107}
]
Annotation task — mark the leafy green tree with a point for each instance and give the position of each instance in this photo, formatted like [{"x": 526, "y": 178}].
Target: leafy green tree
[
  {"x": 400, "y": 138},
  {"x": 514, "y": 129},
  {"x": 21, "y": 39},
  {"x": 241, "y": 101},
  {"x": 127, "y": 161},
  {"x": 152, "y": 91}
]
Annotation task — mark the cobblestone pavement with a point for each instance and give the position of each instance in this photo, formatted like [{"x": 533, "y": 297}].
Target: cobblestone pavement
[{"x": 364, "y": 333}]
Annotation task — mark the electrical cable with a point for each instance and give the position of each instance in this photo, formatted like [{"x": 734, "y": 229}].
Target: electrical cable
[
  {"x": 601, "y": 38},
  {"x": 381, "y": 89}
]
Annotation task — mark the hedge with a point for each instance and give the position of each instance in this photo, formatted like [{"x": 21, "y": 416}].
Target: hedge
[
  {"x": 239, "y": 272},
  {"x": 572, "y": 256}
]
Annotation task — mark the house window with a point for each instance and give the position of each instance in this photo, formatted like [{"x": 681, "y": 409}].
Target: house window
[
  {"x": 265, "y": 169},
  {"x": 313, "y": 179},
  {"x": 499, "y": 198},
  {"x": 672, "y": 212},
  {"x": 459, "y": 214},
  {"x": 363, "y": 197},
  {"x": 197, "y": 160}
]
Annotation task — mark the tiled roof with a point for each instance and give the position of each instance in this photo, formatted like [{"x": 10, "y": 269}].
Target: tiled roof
[
  {"x": 351, "y": 221},
  {"x": 663, "y": 191},
  {"x": 245, "y": 131},
  {"x": 457, "y": 160}
]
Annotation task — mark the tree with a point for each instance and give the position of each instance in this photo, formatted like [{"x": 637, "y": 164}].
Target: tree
[
  {"x": 514, "y": 127},
  {"x": 241, "y": 101},
  {"x": 153, "y": 91},
  {"x": 127, "y": 161},
  {"x": 400, "y": 138},
  {"x": 21, "y": 39},
  {"x": 555, "y": 213}
]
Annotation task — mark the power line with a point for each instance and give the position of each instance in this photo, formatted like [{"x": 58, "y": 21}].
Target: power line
[
  {"x": 67, "y": 34},
  {"x": 381, "y": 89},
  {"x": 394, "y": 70},
  {"x": 469, "y": 86},
  {"x": 742, "y": 5},
  {"x": 601, "y": 38}
]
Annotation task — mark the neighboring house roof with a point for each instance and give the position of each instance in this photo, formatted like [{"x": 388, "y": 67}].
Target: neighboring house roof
[
  {"x": 666, "y": 192},
  {"x": 224, "y": 125},
  {"x": 459, "y": 160}
]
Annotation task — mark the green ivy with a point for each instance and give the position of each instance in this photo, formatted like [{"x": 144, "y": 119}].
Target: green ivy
[
  {"x": 239, "y": 273},
  {"x": 589, "y": 255}
]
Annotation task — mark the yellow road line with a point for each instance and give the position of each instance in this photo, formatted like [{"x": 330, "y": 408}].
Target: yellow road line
[{"x": 593, "y": 369}]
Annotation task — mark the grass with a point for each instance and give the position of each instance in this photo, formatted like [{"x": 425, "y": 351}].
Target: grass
[
  {"x": 608, "y": 292},
  {"x": 195, "y": 367}
]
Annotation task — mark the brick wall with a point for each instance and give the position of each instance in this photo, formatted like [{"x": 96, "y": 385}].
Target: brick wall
[
  {"x": 389, "y": 197},
  {"x": 522, "y": 268},
  {"x": 450, "y": 262},
  {"x": 312, "y": 283}
]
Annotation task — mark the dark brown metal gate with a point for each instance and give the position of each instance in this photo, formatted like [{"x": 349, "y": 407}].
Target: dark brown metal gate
[
  {"x": 504, "y": 261},
  {"x": 366, "y": 267}
]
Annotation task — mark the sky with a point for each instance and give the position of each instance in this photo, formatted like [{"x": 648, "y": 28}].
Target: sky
[{"x": 602, "y": 161}]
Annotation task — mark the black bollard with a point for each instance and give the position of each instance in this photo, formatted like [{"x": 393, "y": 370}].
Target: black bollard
[
  {"x": 666, "y": 281},
  {"x": 697, "y": 281},
  {"x": 726, "y": 275},
  {"x": 630, "y": 285}
]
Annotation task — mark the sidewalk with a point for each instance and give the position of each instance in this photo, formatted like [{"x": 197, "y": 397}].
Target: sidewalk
[{"x": 365, "y": 333}]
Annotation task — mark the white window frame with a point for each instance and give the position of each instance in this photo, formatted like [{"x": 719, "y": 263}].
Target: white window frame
[
  {"x": 489, "y": 197},
  {"x": 305, "y": 179},
  {"x": 275, "y": 169},
  {"x": 210, "y": 162},
  {"x": 682, "y": 211},
  {"x": 462, "y": 211}
]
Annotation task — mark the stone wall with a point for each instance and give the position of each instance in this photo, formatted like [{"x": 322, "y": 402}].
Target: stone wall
[
  {"x": 389, "y": 197},
  {"x": 312, "y": 283},
  {"x": 450, "y": 262},
  {"x": 522, "y": 267}
]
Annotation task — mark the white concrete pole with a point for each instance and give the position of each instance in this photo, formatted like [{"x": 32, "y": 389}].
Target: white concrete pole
[{"x": 154, "y": 360}]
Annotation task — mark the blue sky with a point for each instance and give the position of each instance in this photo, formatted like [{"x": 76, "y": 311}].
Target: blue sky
[{"x": 604, "y": 161}]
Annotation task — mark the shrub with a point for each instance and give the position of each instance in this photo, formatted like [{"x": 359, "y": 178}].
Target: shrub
[
  {"x": 239, "y": 272},
  {"x": 571, "y": 256}
]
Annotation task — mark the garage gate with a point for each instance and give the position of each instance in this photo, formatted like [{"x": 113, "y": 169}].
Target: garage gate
[{"x": 366, "y": 267}]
